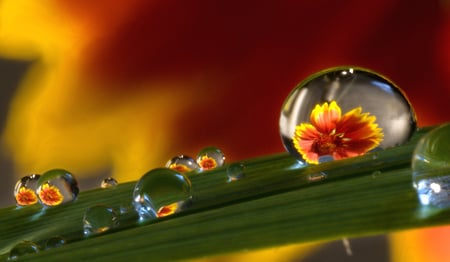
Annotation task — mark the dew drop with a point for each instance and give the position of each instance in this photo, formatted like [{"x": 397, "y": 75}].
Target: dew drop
[
  {"x": 25, "y": 190},
  {"x": 108, "y": 182},
  {"x": 99, "y": 219},
  {"x": 317, "y": 176},
  {"x": 344, "y": 112},
  {"x": 161, "y": 192},
  {"x": 210, "y": 158},
  {"x": 182, "y": 164},
  {"x": 55, "y": 242},
  {"x": 235, "y": 171},
  {"x": 376, "y": 173},
  {"x": 431, "y": 168},
  {"x": 56, "y": 187},
  {"x": 23, "y": 248}
]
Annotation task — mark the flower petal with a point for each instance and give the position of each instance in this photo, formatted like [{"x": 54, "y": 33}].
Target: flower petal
[
  {"x": 324, "y": 117},
  {"x": 360, "y": 131},
  {"x": 304, "y": 139}
]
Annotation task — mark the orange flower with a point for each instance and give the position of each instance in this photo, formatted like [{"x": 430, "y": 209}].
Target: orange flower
[
  {"x": 338, "y": 136},
  {"x": 167, "y": 210},
  {"x": 180, "y": 168},
  {"x": 26, "y": 197},
  {"x": 207, "y": 163},
  {"x": 50, "y": 195}
]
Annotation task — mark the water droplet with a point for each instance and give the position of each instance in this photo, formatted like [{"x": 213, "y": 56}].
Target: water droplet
[
  {"x": 317, "y": 176},
  {"x": 23, "y": 248},
  {"x": 161, "y": 192},
  {"x": 344, "y": 112},
  {"x": 55, "y": 242},
  {"x": 108, "y": 182},
  {"x": 210, "y": 158},
  {"x": 99, "y": 219},
  {"x": 56, "y": 187},
  {"x": 182, "y": 164},
  {"x": 235, "y": 171},
  {"x": 431, "y": 168},
  {"x": 376, "y": 173},
  {"x": 25, "y": 190}
]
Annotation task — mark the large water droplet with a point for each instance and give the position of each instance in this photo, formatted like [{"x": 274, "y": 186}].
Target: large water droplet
[
  {"x": 98, "y": 219},
  {"x": 344, "y": 112},
  {"x": 182, "y": 164},
  {"x": 161, "y": 192},
  {"x": 56, "y": 187},
  {"x": 25, "y": 190},
  {"x": 108, "y": 182},
  {"x": 55, "y": 242},
  {"x": 235, "y": 171},
  {"x": 23, "y": 248},
  {"x": 210, "y": 158},
  {"x": 431, "y": 168}
]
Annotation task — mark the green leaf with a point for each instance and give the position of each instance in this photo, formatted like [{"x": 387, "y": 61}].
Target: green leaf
[{"x": 276, "y": 203}]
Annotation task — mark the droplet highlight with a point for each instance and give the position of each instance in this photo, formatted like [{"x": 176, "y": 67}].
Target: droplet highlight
[
  {"x": 344, "y": 112},
  {"x": 431, "y": 168},
  {"x": 56, "y": 187},
  {"x": 99, "y": 219},
  {"x": 22, "y": 249},
  {"x": 25, "y": 190},
  {"x": 235, "y": 171},
  {"x": 317, "y": 176},
  {"x": 55, "y": 242},
  {"x": 161, "y": 192},
  {"x": 182, "y": 164},
  {"x": 108, "y": 182},
  {"x": 210, "y": 158}
]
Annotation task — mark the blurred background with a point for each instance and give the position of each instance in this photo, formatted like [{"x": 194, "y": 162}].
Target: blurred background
[{"x": 117, "y": 88}]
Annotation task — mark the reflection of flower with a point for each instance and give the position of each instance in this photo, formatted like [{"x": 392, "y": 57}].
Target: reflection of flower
[
  {"x": 338, "y": 136},
  {"x": 26, "y": 196},
  {"x": 50, "y": 195},
  {"x": 207, "y": 162},
  {"x": 180, "y": 168},
  {"x": 167, "y": 210}
]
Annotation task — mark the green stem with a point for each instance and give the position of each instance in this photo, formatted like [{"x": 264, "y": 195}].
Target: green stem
[{"x": 276, "y": 203}]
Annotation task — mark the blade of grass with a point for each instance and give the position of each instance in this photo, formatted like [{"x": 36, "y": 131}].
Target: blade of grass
[{"x": 274, "y": 204}]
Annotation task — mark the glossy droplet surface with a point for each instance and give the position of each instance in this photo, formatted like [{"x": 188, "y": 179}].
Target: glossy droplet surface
[
  {"x": 23, "y": 248},
  {"x": 182, "y": 164},
  {"x": 210, "y": 158},
  {"x": 235, "y": 171},
  {"x": 344, "y": 112},
  {"x": 56, "y": 187},
  {"x": 98, "y": 219},
  {"x": 55, "y": 242},
  {"x": 108, "y": 182},
  {"x": 431, "y": 168},
  {"x": 25, "y": 190},
  {"x": 161, "y": 192}
]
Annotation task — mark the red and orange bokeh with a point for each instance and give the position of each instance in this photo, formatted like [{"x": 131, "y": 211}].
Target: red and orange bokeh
[{"x": 126, "y": 85}]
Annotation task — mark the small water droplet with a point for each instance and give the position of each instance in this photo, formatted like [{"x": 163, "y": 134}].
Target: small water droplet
[
  {"x": 431, "y": 168},
  {"x": 182, "y": 164},
  {"x": 23, "y": 248},
  {"x": 317, "y": 176},
  {"x": 210, "y": 158},
  {"x": 235, "y": 171},
  {"x": 56, "y": 187},
  {"x": 55, "y": 242},
  {"x": 25, "y": 190},
  {"x": 99, "y": 219},
  {"x": 108, "y": 182},
  {"x": 161, "y": 192},
  {"x": 337, "y": 113},
  {"x": 376, "y": 173}
]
